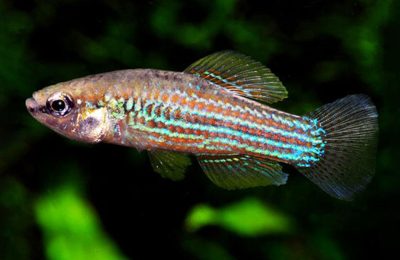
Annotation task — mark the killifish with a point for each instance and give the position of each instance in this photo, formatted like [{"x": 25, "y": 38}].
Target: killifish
[{"x": 217, "y": 111}]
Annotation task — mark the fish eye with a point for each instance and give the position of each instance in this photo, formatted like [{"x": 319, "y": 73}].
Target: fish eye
[{"x": 59, "y": 104}]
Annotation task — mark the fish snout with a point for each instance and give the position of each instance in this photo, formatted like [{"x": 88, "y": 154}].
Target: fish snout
[{"x": 32, "y": 105}]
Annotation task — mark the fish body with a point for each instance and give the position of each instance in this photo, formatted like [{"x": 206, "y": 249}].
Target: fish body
[{"x": 211, "y": 110}]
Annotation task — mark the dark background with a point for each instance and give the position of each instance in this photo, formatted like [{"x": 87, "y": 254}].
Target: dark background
[{"x": 321, "y": 50}]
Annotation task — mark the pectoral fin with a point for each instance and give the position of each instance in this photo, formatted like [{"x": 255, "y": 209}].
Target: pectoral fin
[
  {"x": 241, "y": 171},
  {"x": 168, "y": 164}
]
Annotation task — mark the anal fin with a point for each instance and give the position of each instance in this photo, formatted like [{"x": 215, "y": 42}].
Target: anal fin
[
  {"x": 241, "y": 171},
  {"x": 168, "y": 164}
]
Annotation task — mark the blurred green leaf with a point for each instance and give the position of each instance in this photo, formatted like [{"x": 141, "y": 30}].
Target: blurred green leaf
[
  {"x": 326, "y": 247},
  {"x": 15, "y": 27},
  {"x": 341, "y": 46},
  {"x": 206, "y": 249},
  {"x": 71, "y": 228},
  {"x": 15, "y": 220},
  {"x": 362, "y": 39},
  {"x": 164, "y": 21},
  {"x": 249, "y": 217}
]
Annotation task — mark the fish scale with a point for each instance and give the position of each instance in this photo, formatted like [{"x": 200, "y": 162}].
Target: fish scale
[
  {"x": 212, "y": 110},
  {"x": 272, "y": 138}
]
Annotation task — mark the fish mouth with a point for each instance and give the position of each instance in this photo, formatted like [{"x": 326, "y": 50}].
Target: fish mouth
[{"x": 32, "y": 105}]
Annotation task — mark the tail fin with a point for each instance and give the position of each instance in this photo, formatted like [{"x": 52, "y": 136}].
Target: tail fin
[{"x": 348, "y": 163}]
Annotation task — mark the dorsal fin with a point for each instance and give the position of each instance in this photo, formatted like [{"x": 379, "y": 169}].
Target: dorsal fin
[{"x": 241, "y": 75}]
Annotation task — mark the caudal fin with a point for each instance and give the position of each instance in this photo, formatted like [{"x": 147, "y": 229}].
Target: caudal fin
[{"x": 348, "y": 162}]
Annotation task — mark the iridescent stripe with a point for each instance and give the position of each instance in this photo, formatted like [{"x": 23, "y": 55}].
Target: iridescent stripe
[
  {"x": 247, "y": 123},
  {"x": 259, "y": 142},
  {"x": 219, "y": 130},
  {"x": 261, "y": 114}
]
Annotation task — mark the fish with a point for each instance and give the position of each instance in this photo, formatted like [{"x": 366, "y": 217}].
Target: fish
[{"x": 218, "y": 110}]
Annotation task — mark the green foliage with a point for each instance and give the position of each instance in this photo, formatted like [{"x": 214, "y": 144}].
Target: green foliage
[
  {"x": 206, "y": 250},
  {"x": 314, "y": 246},
  {"x": 15, "y": 27},
  {"x": 15, "y": 220},
  {"x": 321, "y": 50},
  {"x": 249, "y": 217},
  {"x": 326, "y": 247},
  {"x": 362, "y": 38},
  {"x": 165, "y": 24},
  {"x": 217, "y": 19},
  {"x": 115, "y": 44},
  {"x": 71, "y": 227}
]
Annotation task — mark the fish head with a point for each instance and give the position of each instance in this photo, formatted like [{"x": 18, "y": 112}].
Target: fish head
[{"x": 67, "y": 108}]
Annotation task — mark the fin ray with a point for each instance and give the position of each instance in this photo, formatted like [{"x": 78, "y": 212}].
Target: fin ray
[
  {"x": 348, "y": 163},
  {"x": 241, "y": 75},
  {"x": 168, "y": 164},
  {"x": 241, "y": 171}
]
